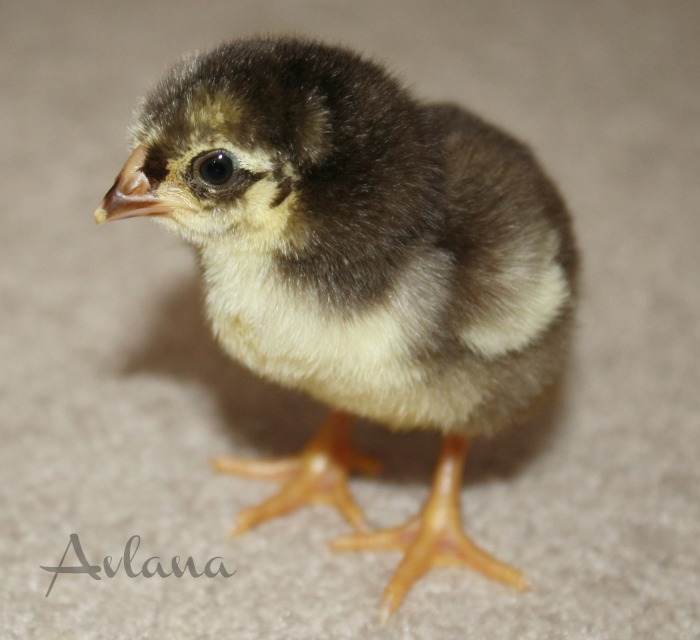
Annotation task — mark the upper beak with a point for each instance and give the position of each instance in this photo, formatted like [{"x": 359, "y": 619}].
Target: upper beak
[{"x": 129, "y": 196}]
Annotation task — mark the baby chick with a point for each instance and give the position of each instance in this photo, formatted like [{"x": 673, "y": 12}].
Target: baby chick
[{"x": 400, "y": 261}]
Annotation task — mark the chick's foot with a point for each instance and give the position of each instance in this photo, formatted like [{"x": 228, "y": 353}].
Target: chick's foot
[
  {"x": 434, "y": 537},
  {"x": 319, "y": 474}
]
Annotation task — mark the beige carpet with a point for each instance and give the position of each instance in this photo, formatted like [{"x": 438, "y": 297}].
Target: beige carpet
[{"x": 113, "y": 395}]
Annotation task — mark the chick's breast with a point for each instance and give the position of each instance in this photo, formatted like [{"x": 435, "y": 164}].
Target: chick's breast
[{"x": 362, "y": 362}]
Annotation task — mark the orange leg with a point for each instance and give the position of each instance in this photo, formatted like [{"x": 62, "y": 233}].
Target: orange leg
[
  {"x": 434, "y": 537},
  {"x": 318, "y": 474}
]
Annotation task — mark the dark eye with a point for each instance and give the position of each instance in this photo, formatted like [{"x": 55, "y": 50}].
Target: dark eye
[{"x": 214, "y": 168}]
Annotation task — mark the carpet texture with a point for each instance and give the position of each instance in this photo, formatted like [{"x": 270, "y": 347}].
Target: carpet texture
[{"x": 113, "y": 395}]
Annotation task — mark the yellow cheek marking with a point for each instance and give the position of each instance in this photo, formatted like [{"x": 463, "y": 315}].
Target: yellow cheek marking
[{"x": 266, "y": 224}]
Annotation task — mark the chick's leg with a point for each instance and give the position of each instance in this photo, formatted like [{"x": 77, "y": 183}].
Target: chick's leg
[
  {"x": 433, "y": 538},
  {"x": 318, "y": 474}
]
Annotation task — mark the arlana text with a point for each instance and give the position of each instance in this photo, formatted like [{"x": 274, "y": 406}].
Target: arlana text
[{"x": 151, "y": 567}]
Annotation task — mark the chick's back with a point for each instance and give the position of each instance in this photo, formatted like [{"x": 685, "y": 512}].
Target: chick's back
[{"x": 514, "y": 285}]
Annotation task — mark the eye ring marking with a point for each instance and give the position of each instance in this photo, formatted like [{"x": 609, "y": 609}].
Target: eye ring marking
[{"x": 214, "y": 169}]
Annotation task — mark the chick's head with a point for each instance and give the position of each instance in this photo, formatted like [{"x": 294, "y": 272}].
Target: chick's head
[{"x": 268, "y": 141}]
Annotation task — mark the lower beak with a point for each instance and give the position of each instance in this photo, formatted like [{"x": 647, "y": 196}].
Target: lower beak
[{"x": 130, "y": 195}]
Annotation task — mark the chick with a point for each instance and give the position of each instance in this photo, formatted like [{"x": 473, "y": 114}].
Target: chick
[{"x": 404, "y": 262}]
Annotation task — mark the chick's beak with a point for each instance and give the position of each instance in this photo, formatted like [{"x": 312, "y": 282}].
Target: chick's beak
[{"x": 130, "y": 195}]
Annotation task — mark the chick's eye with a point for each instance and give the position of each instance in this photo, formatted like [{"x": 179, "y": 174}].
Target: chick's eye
[{"x": 214, "y": 168}]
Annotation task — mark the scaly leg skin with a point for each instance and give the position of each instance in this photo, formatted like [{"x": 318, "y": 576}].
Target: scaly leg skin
[
  {"x": 318, "y": 474},
  {"x": 433, "y": 538}
]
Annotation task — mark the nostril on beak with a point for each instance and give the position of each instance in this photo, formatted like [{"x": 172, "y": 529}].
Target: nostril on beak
[
  {"x": 131, "y": 195},
  {"x": 135, "y": 184}
]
